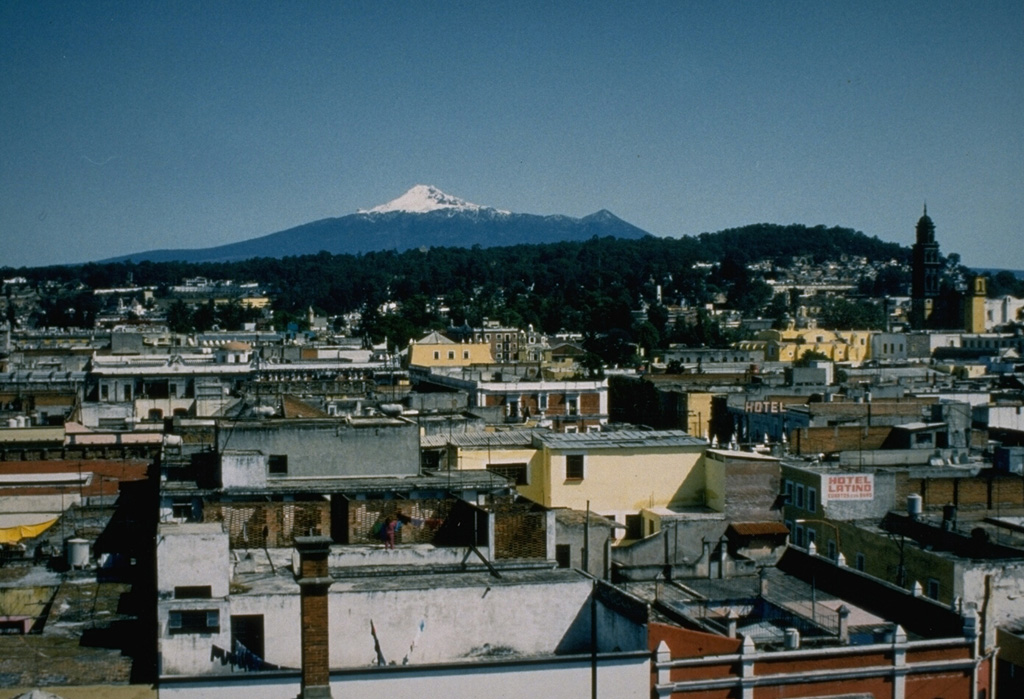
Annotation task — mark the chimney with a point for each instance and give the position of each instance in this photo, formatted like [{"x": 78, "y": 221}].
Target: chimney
[
  {"x": 314, "y": 580},
  {"x": 844, "y": 624}
]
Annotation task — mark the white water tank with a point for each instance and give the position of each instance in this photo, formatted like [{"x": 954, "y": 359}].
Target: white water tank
[
  {"x": 792, "y": 639},
  {"x": 915, "y": 505},
  {"x": 78, "y": 553}
]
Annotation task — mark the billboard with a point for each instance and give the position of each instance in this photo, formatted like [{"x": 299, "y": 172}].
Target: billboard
[{"x": 854, "y": 486}]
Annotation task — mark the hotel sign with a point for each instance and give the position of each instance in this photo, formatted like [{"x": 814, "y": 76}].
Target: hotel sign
[
  {"x": 859, "y": 486},
  {"x": 763, "y": 406}
]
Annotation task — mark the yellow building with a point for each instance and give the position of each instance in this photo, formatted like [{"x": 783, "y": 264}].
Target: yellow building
[
  {"x": 436, "y": 350},
  {"x": 512, "y": 454},
  {"x": 791, "y": 344},
  {"x": 974, "y": 307},
  {"x": 617, "y": 473}
]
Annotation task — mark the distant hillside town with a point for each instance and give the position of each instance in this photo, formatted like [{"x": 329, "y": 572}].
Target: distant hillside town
[{"x": 770, "y": 461}]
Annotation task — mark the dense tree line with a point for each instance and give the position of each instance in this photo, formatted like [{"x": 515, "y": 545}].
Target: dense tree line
[{"x": 591, "y": 287}]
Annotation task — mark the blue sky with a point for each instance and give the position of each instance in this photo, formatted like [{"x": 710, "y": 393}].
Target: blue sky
[{"x": 130, "y": 126}]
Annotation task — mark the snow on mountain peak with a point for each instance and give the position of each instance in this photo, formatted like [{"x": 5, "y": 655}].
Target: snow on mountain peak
[{"x": 424, "y": 198}]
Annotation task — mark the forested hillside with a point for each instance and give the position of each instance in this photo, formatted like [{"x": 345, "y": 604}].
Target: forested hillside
[{"x": 590, "y": 286}]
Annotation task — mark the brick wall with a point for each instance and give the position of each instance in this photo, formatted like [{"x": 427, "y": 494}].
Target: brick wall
[
  {"x": 426, "y": 517},
  {"x": 246, "y": 522},
  {"x": 986, "y": 491},
  {"x": 825, "y": 440},
  {"x": 519, "y": 532}
]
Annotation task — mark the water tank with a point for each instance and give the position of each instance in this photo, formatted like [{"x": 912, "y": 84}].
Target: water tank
[
  {"x": 12, "y": 422},
  {"x": 21, "y": 420},
  {"x": 78, "y": 553},
  {"x": 792, "y": 639},
  {"x": 948, "y": 516},
  {"x": 915, "y": 505}
]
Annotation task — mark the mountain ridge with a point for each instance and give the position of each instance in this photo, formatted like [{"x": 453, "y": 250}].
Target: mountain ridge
[{"x": 423, "y": 217}]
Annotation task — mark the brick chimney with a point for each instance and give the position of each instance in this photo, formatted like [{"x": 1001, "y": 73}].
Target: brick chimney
[{"x": 314, "y": 580}]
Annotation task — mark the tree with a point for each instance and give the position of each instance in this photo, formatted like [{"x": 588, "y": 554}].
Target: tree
[
  {"x": 179, "y": 317},
  {"x": 838, "y": 313},
  {"x": 647, "y": 336},
  {"x": 204, "y": 317}
]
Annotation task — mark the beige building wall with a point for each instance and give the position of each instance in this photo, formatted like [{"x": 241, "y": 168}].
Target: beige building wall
[
  {"x": 622, "y": 481},
  {"x": 480, "y": 458},
  {"x": 837, "y": 345},
  {"x": 454, "y": 354},
  {"x": 714, "y": 488}
]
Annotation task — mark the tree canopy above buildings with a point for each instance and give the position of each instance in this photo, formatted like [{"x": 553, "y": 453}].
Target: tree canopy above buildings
[{"x": 592, "y": 287}]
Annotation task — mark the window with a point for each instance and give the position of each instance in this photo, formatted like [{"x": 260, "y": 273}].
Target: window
[
  {"x": 634, "y": 527},
  {"x": 465, "y": 354},
  {"x": 811, "y": 534},
  {"x": 572, "y": 405},
  {"x": 451, "y": 354},
  {"x": 104, "y": 392},
  {"x": 799, "y": 495},
  {"x": 247, "y": 631},
  {"x": 437, "y": 354},
  {"x": 193, "y": 592},
  {"x": 514, "y": 472},
  {"x": 788, "y": 490},
  {"x": 860, "y": 561},
  {"x": 542, "y": 401},
  {"x": 563, "y": 555},
  {"x": 933, "y": 588},
  {"x": 278, "y": 464},
  {"x": 193, "y": 621},
  {"x": 812, "y": 500},
  {"x": 832, "y": 552},
  {"x": 798, "y": 535},
  {"x": 574, "y": 467}
]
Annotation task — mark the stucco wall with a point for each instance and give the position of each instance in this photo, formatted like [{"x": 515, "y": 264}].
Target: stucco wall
[
  {"x": 331, "y": 447},
  {"x": 624, "y": 481},
  {"x": 475, "y": 622},
  {"x": 191, "y": 555},
  {"x": 627, "y": 678},
  {"x": 243, "y": 469}
]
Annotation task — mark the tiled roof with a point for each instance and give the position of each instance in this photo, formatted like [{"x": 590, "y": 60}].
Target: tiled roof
[{"x": 758, "y": 528}]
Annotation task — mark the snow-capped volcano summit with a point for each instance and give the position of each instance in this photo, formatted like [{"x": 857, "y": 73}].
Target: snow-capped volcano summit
[
  {"x": 424, "y": 198},
  {"x": 422, "y": 218}
]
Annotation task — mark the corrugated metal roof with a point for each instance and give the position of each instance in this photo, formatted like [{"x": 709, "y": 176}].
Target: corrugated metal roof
[
  {"x": 509, "y": 438},
  {"x": 627, "y": 439}
]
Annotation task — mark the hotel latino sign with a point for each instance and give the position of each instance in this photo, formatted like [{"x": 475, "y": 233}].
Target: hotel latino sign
[{"x": 855, "y": 486}]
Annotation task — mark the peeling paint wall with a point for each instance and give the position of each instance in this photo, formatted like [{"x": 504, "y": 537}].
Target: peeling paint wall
[{"x": 419, "y": 625}]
